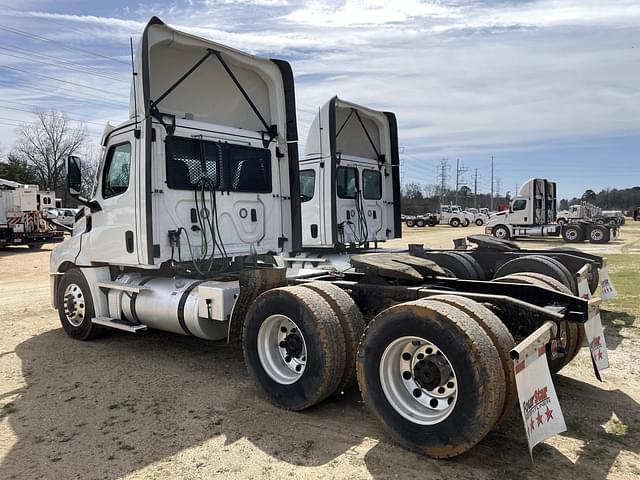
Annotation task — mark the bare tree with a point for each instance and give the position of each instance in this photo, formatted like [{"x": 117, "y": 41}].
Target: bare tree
[
  {"x": 46, "y": 143},
  {"x": 90, "y": 163}
]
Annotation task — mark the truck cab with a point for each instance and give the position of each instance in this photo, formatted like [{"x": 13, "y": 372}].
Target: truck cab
[
  {"x": 349, "y": 177},
  {"x": 201, "y": 179}
]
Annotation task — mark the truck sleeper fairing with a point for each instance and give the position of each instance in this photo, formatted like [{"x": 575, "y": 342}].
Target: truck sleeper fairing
[
  {"x": 350, "y": 177},
  {"x": 217, "y": 111}
]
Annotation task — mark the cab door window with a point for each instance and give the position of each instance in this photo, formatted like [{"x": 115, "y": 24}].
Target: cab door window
[
  {"x": 519, "y": 205},
  {"x": 116, "y": 171},
  {"x": 307, "y": 184}
]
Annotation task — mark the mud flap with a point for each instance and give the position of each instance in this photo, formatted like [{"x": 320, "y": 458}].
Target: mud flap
[
  {"x": 593, "y": 326},
  {"x": 537, "y": 396},
  {"x": 607, "y": 290}
]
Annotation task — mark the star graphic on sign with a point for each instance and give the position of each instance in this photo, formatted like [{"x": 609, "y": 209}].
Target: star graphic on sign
[
  {"x": 549, "y": 414},
  {"x": 539, "y": 419},
  {"x": 599, "y": 355},
  {"x": 531, "y": 424}
]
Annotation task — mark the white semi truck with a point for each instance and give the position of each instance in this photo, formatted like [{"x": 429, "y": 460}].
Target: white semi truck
[
  {"x": 532, "y": 214},
  {"x": 21, "y": 216},
  {"x": 198, "y": 202}
]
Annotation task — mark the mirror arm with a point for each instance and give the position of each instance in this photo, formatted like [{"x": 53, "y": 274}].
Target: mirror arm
[{"x": 93, "y": 205}]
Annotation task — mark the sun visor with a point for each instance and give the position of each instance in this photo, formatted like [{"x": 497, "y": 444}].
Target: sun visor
[{"x": 188, "y": 77}]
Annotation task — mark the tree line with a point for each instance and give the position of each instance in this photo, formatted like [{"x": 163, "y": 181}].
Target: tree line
[{"x": 39, "y": 154}]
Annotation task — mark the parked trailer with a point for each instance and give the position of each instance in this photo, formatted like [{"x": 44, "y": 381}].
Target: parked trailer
[
  {"x": 169, "y": 242},
  {"x": 21, "y": 216}
]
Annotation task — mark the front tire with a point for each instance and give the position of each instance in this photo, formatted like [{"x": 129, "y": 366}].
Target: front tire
[
  {"x": 75, "y": 306},
  {"x": 501, "y": 232},
  {"x": 420, "y": 223},
  {"x": 454, "y": 222},
  {"x": 479, "y": 222},
  {"x": 410, "y": 223},
  {"x": 432, "y": 376}
]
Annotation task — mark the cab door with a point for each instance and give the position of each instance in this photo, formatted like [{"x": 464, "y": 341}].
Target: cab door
[{"x": 112, "y": 229}]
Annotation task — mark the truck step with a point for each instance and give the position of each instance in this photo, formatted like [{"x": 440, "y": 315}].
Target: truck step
[
  {"x": 119, "y": 324},
  {"x": 123, "y": 286}
]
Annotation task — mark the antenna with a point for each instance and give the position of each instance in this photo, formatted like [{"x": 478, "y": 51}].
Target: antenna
[{"x": 133, "y": 73}]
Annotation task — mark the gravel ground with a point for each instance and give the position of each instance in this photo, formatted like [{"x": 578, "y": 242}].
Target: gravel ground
[{"x": 156, "y": 405}]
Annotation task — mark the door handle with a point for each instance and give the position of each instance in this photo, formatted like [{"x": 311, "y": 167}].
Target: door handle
[
  {"x": 128, "y": 240},
  {"x": 254, "y": 215}
]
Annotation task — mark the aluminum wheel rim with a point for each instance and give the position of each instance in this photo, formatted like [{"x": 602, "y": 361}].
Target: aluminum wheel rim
[
  {"x": 501, "y": 233},
  {"x": 74, "y": 305},
  {"x": 277, "y": 336},
  {"x": 572, "y": 234},
  {"x": 402, "y": 389},
  {"x": 596, "y": 235}
]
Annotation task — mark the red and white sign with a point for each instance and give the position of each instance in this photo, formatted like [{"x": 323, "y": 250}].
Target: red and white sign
[
  {"x": 607, "y": 290},
  {"x": 537, "y": 396},
  {"x": 594, "y": 331}
]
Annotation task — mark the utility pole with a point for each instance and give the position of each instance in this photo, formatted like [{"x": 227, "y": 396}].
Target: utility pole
[
  {"x": 442, "y": 179},
  {"x": 491, "y": 201},
  {"x": 459, "y": 179},
  {"x": 498, "y": 186},
  {"x": 475, "y": 189}
]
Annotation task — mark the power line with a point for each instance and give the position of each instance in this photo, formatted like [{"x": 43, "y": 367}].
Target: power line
[
  {"x": 7, "y": 67},
  {"x": 23, "y": 33},
  {"x": 17, "y": 53},
  {"x": 33, "y": 113},
  {"x": 31, "y": 90}
]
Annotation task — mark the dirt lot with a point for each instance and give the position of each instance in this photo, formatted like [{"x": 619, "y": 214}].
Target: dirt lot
[{"x": 163, "y": 406}]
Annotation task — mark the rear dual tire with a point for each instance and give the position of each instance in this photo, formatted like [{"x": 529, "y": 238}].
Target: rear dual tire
[
  {"x": 444, "y": 402},
  {"x": 290, "y": 327}
]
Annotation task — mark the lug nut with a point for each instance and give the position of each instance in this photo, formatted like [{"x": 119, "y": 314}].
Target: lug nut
[
  {"x": 406, "y": 356},
  {"x": 406, "y": 375},
  {"x": 433, "y": 403},
  {"x": 282, "y": 344},
  {"x": 283, "y": 329},
  {"x": 287, "y": 358},
  {"x": 417, "y": 392}
]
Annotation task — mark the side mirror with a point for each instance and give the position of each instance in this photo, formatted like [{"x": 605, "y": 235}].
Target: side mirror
[
  {"x": 74, "y": 176},
  {"x": 74, "y": 183}
]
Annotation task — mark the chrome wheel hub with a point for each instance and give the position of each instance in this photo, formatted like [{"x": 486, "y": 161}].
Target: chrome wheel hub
[
  {"x": 74, "y": 305},
  {"x": 418, "y": 380},
  {"x": 282, "y": 349}
]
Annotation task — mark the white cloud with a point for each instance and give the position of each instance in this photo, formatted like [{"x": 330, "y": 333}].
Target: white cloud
[{"x": 463, "y": 78}]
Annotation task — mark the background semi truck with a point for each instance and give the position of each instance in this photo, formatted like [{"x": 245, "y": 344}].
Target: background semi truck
[
  {"x": 197, "y": 205},
  {"x": 533, "y": 214}
]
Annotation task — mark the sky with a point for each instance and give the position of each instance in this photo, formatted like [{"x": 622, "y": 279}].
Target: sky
[{"x": 549, "y": 88}]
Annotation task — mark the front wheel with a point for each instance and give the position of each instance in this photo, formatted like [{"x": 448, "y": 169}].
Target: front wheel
[
  {"x": 432, "y": 376},
  {"x": 410, "y": 223},
  {"x": 454, "y": 222},
  {"x": 466, "y": 222},
  {"x": 420, "y": 223},
  {"x": 479, "y": 222},
  {"x": 501, "y": 232},
  {"x": 75, "y": 306}
]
